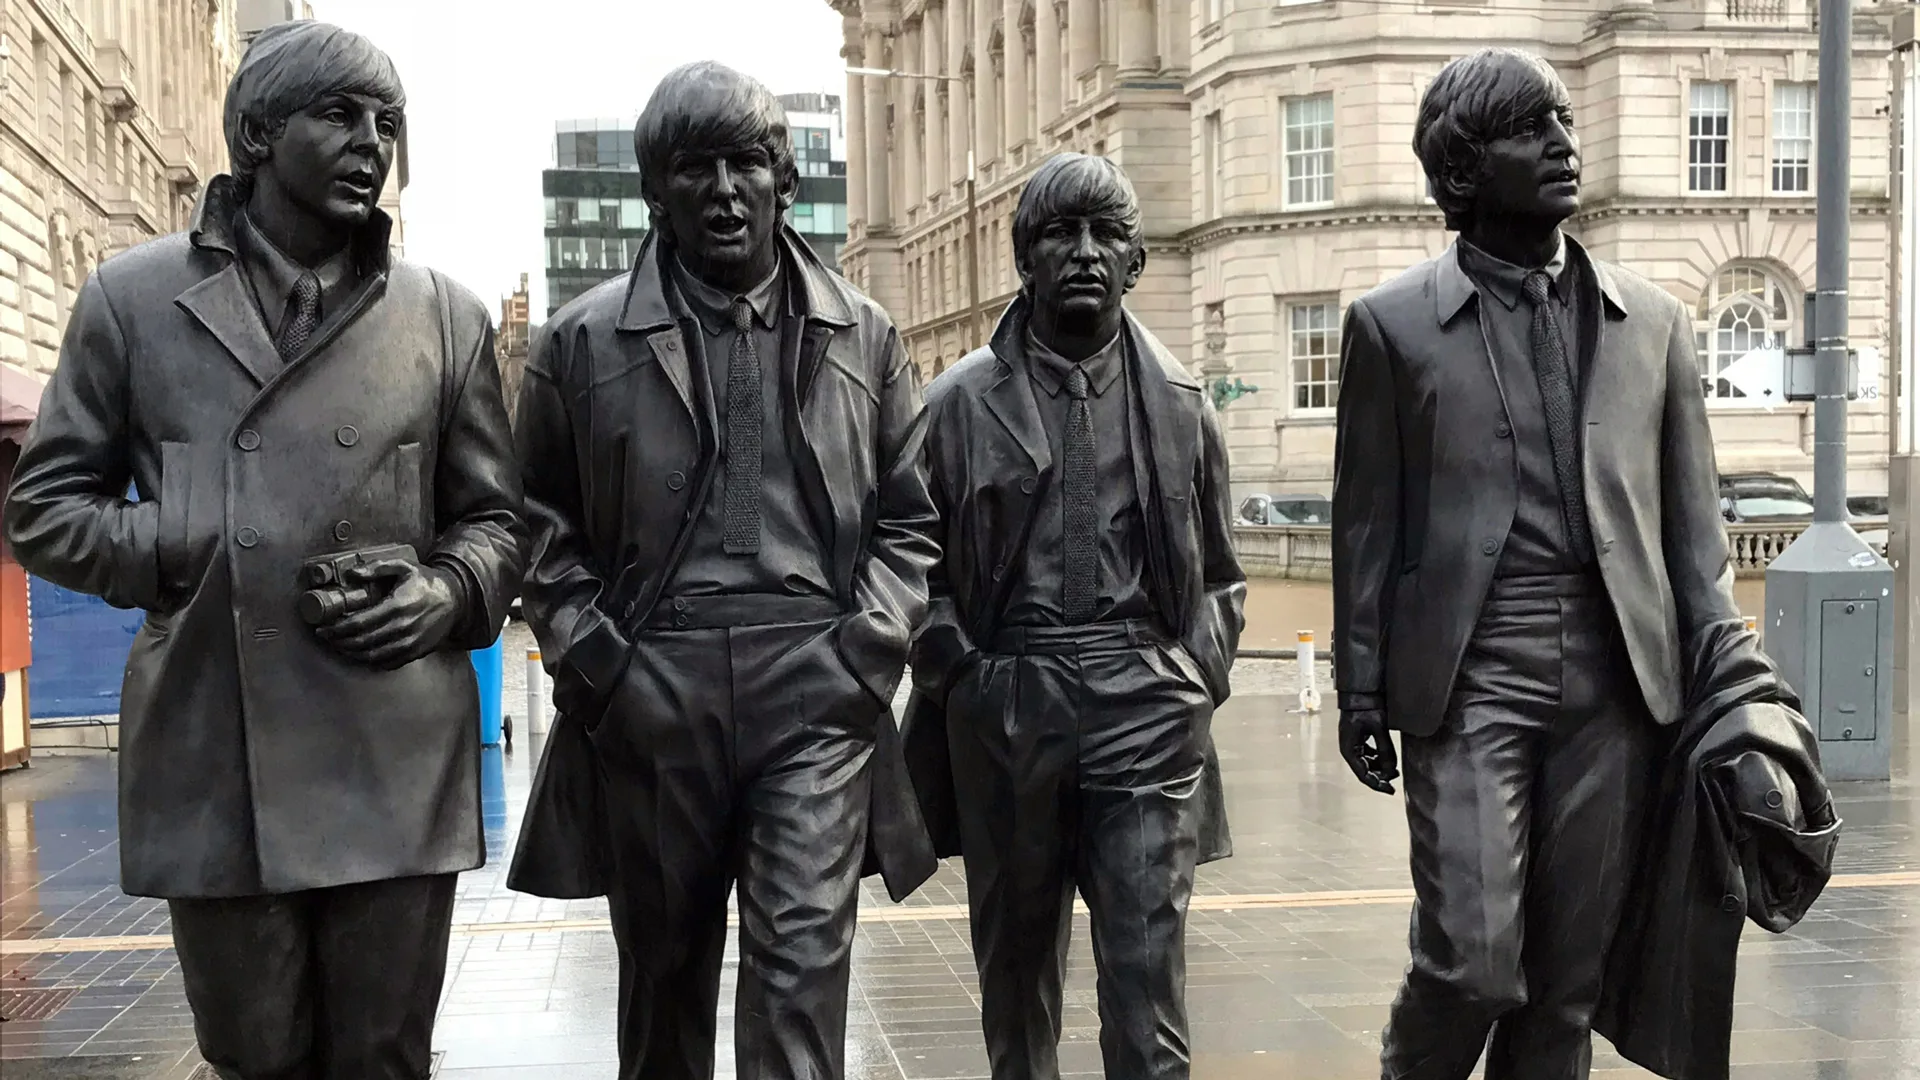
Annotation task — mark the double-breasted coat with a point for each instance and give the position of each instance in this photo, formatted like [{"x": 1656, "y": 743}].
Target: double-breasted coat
[
  {"x": 989, "y": 461},
  {"x": 619, "y": 447},
  {"x": 255, "y": 759}
]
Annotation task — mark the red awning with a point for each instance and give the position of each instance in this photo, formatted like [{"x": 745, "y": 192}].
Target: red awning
[{"x": 19, "y": 400}]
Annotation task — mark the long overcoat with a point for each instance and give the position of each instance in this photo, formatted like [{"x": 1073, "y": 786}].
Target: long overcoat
[
  {"x": 617, "y": 438},
  {"x": 254, "y": 759},
  {"x": 989, "y": 462}
]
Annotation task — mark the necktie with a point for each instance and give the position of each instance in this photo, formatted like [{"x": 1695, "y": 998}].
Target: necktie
[
  {"x": 1082, "y": 554},
  {"x": 1556, "y": 394},
  {"x": 303, "y": 314},
  {"x": 742, "y": 534}
]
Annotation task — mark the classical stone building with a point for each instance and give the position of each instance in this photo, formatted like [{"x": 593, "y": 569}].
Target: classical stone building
[
  {"x": 109, "y": 125},
  {"x": 1271, "y": 142}
]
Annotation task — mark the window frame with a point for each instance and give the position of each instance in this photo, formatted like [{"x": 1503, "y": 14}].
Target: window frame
[
  {"x": 1290, "y": 155},
  {"x": 1803, "y": 141},
  {"x": 1700, "y": 170},
  {"x": 1291, "y": 307}
]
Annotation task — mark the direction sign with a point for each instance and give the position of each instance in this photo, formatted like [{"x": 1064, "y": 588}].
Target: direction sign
[{"x": 1761, "y": 375}]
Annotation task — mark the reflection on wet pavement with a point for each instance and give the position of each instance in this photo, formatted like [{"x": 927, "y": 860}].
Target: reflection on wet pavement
[{"x": 1295, "y": 947}]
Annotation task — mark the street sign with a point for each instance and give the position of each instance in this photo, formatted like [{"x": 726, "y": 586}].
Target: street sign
[{"x": 1761, "y": 375}]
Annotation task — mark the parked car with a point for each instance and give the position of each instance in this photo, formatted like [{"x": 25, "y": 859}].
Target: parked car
[
  {"x": 1286, "y": 510},
  {"x": 1764, "y": 498}
]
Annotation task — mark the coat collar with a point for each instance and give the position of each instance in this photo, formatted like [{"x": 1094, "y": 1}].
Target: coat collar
[
  {"x": 1452, "y": 287},
  {"x": 1010, "y": 396},
  {"x": 647, "y": 308},
  {"x": 224, "y": 302}
]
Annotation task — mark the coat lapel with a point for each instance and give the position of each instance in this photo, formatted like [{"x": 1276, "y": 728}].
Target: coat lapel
[
  {"x": 1170, "y": 404},
  {"x": 646, "y": 311},
  {"x": 224, "y": 305}
]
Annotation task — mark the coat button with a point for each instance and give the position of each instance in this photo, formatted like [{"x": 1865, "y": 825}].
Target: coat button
[
  {"x": 627, "y": 612},
  {"x": 679, "y": 603},
  {"x": 1026, "y": 485},
  {"x": 1774, "y": 798},
  {"x": 999, "y": 571},
  {"x": 247, "y": 536},
  {"x": 1489, "y": 548},
  {"x": 1504, "y": 430},
  {"x": 249, "y": 440},
  {"x": 343, "y": 531},
  {"x": 676, "y": 480},
  {"x": 347, "y": 435},
  {"x": 1730, "y": 904},
  {"x": 680, "y": 621},
  {"x": 672, "y": 345}
]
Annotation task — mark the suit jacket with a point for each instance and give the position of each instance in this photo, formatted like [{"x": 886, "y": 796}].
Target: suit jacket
[
  {"x": 618, "y": 446},
  {"x": 1744, "y": 828},
  {"x": 989, "y": 458},
  {"x": 253, "y": 757},
  {"x": 1425, "y": 486}
]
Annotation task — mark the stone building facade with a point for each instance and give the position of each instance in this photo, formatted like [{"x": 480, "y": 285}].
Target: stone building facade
[
  {"x": 109, "y": 126},
  {"x": 1271, "y": 143}
]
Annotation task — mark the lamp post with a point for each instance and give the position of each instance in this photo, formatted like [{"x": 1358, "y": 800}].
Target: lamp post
[{"x": 973, "y": 209}]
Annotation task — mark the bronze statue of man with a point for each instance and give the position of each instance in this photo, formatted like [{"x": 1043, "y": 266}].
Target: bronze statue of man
[
  {"x": 1085, "y": 615},
  {"x": 328, "y": 519},
  {"x": 731, "y": 539},
  {"x": 1527, "y": 550}
]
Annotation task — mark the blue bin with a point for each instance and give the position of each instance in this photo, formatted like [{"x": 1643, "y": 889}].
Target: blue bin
[{"x": 489, "y": 668}]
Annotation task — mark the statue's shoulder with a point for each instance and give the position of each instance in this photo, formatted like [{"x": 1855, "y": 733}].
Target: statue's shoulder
[
  {"x": 1634, "y": 290},
  {"x": 1405, "y": 289},
  {"x": 968, "y": 376}
]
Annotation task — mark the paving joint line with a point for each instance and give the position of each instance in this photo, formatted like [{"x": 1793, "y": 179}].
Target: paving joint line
[{"x": 1229, "y": 902}]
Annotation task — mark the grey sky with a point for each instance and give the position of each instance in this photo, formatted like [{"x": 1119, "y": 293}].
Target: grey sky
[{"x": 485, "y": 86}]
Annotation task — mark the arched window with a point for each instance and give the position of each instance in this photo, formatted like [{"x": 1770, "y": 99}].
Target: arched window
[{"x": 1747, "y": 308}]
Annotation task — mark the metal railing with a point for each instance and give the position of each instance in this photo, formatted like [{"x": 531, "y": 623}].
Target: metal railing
[{"x": 1305, "y": 552}]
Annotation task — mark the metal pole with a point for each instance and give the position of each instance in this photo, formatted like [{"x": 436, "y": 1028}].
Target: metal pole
[{"x": 1830, "y": 265}]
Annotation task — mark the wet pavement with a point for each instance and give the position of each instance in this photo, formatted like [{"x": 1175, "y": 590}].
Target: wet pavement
[{"x": 1295, "y": 944}]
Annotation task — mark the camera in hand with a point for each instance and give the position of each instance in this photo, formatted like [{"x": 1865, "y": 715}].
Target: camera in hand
[{"x": 330, "y": 595}]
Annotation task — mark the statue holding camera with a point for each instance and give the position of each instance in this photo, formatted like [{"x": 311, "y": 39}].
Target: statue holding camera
[{"x": 328, "y": 517}]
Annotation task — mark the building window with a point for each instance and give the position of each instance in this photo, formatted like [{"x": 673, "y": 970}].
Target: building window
[
  {"x": 1792, "y": 137},
  {"x": 1309, "y": 151},
  {"x": 1746, "y": 309},
  {"x": 1215, "y": 164},
  {"x": 1709, "y": 131},
  {"x": 1313, "y": 352},
  {"x": 1216, "y": 10}
]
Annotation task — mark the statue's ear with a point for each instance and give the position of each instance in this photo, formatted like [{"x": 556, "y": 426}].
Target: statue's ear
[
  {"x": 1136, "y": 266},
  {"x": 254, "y": 139}
]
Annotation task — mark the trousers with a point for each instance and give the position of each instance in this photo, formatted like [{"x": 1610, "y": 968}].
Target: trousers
[
  {"x": 736, "y": 754},
  {"x": 1526, "y": 811},
  {"x": 1077, "y": 756},
  {"x": 326, "y": 984}
]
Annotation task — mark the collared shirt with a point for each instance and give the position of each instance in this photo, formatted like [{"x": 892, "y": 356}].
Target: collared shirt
[
  {"x": 1537, "y": 543},
  {"x": 272, "y": 274},
  {"x": 791, "y": 561},
  {"x": 1122, "y": 588}
]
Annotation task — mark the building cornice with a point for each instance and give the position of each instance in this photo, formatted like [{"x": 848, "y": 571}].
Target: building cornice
[{"x": 1210, "y": 233}]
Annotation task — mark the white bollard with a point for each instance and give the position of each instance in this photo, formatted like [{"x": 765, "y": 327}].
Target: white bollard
[
  {"x": 1309, "y": 681},
  {"x": 537, "y": 718}
]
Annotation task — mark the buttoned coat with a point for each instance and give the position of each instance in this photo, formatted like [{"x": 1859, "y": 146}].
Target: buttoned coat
[
  {"x": 1426, "y": 486},
  {"x": 616, "y": 433},
  {"x": 254, "y": 758},
  {"x": 990, "y": 462}
]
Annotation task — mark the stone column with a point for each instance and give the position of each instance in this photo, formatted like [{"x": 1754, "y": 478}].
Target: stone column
[
  {"x": 1176, "y": 30},
  {"x": 1139, "y": 38},
  {"x": 1083, "y": 37},
  {"x": 959, "y": 112},
  {"x": 933, "y": 62},
  {"x": 879, "y": 178},
  {"x": 1016, "y": 61},
  {"x": 856, "y": 126},
  {"x": 1046, "y": 60},
  {"x": 986, "y": 109},
  {"x": 907, "y": 131}
]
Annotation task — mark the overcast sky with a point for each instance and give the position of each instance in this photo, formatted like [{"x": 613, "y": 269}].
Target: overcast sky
[{"x": 485, "y": 87}]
